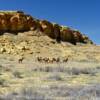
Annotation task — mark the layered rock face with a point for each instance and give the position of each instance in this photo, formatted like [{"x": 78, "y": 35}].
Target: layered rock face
[{"x": 18, "y": 21}]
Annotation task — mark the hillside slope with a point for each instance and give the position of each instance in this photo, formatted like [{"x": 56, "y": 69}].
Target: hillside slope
[{"x": 37, "y": 66}]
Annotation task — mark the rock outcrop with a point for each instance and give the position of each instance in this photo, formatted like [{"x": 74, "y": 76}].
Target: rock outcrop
[
  {"x": 67, "y": 35},
  {"x": 78, "y": 36},
  {"x": 18, "y": 21}
]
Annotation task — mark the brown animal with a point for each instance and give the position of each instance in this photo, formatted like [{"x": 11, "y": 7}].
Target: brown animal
[
  {"x": 65, "y": 60},
  {"x": 54, "y": 59},
  {"x": 39, "y": 59},
  {"x": 51, "y": 60},
  {"x": 58, "y": 60},
  {"x": 20, "y": 59},
  {"x": 46, "y": 60}
]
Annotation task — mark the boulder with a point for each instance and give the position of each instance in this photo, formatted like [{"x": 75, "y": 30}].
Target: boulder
[
  {"x": 67, "y": 35},
  {"x": 8, "y": 16},
  {"x": 47, "y": 28},
  {"x": 18, "y": 22},
  {"x": 78, "y": 36},
  {"x": 3, "y": 22},
  {"x": 56, "y": 28},
  {"x": 3, "y": 50},
  {"x": 31, "y": 23},
  {"x": 38, "y": 25},
  {"x": 87, "y": 40}
]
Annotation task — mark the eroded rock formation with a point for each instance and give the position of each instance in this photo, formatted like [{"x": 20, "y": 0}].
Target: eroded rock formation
[
  {"x": 67, "y": 35},
  {"x": 17, "y": 21}
]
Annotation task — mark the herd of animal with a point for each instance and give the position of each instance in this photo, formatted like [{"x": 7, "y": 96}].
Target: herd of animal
[
  {"x": 46, "y": 60},
  {"x": 51, "y": 60},
  {"x": 18, "y": 21}
]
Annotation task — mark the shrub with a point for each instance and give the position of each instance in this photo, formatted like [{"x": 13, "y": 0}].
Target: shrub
[{"x": 17, "y": 74}]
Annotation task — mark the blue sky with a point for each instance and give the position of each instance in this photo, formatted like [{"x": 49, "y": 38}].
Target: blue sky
[{"x": 83, "y": 15}]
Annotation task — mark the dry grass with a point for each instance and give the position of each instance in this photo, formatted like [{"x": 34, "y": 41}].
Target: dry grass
[
  {"x": 77, "y": 79},
  {"x": 56, "y": 92},
  {"x": 71, "y": 74}
]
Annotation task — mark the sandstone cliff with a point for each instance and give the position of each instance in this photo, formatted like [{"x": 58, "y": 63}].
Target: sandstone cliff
[
  {"x": 18, "y": 21},
  {"x": 38, "y": 60}
]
